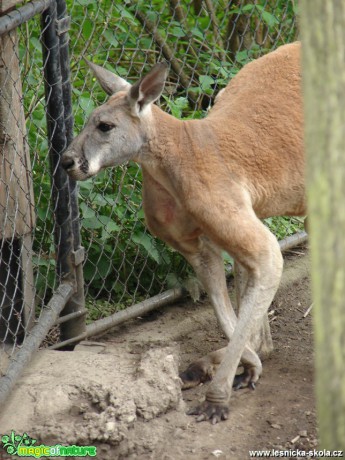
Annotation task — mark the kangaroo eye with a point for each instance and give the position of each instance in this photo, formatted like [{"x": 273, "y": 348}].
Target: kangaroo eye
[{"x": 104, "y": 127}]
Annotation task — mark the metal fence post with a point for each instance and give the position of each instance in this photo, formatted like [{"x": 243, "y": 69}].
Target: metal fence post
[
  {"x": 60, "y": 132},
  {"x": 77, "y": 303}
]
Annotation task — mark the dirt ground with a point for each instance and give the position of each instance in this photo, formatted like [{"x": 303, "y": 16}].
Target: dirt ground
[{"x": 279, "y": 414}]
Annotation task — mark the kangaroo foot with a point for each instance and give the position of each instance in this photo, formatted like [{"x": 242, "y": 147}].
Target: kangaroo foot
[
  {"x": 247, "y": 379},
  {"x": 215, "y": 412}
]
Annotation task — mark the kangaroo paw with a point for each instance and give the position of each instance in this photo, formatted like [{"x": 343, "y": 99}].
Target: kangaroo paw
[
  {"x": 247, "y": 379},
  {"x": 210, "y": 411},
  {"x": 193, "y": 376}
]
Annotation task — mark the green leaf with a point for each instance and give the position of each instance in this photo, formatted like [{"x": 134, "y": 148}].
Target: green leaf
[
  {"x": 112, "y": 227},
  {"x": 99, "y": 199},
  {"x": 177, "y": 105},
  {"x": 91, "y": 223},
  {"x": 88, "y": 213},
  {"x": 36, "y": 43},
  {"x": 177, "y": 32},
  {"x": 247, "y": 8},
  {"x": 87, "y": 2},
  {"x": 228, "y": 259},
  {"x": 242, "y": 57},
  {"x": 111, "y": 37},
  {"x": 108, "y": 226},
  {"x": 197, "y": 33},
  {"x": 147, "y": 242},
  {"x": 42, "y": 262},
  {"x": 104, "y": 267},
  {"x": 206, "y": 82},
  {"x": 126, "y": 14},
  {"x": 86, "y": 186},
  {"x": 269, "y": 18},
  {"x": 90, "y": 271},
  {"x": 87, "y": 28},
  {"x": 86, "y": 104}
]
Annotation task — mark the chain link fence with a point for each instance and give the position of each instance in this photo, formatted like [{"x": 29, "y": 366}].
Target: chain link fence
[
  {"x": 17, "y": 214},
  {"x": 206, "y": 42}
]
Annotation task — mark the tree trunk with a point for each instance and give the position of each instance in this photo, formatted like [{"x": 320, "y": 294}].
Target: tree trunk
[{"x": 323, "y": 38}]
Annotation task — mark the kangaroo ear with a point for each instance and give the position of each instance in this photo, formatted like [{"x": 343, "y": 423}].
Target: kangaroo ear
[
  {"x": 148, "y": 89},
  {"x": 110, "y": 82}
]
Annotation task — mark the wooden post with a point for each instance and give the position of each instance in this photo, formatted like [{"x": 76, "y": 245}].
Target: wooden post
[
  {"x": 323, "y": 46},
  {"x": 16, "y": 193}
]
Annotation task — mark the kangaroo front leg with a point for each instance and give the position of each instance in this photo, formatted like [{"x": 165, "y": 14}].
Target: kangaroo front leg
[
  {"x": 209, "y": 267},
  {"x": 258, "y": 251},
  {"x": 202, "y": 370}
]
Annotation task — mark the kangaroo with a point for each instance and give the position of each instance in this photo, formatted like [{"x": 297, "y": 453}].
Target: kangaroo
[{"x": 206, "y": 185}]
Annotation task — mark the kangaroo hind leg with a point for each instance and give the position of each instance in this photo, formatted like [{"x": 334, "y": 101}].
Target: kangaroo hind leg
[{"x": 208, "y": 264}]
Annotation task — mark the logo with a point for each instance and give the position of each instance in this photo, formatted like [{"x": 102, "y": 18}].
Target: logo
[
  {"x": 25, "y": 446},
  {"x": 12, "y": 442}
]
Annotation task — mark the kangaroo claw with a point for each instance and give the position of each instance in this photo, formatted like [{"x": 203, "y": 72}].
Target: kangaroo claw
[
  {"x": 244, "y": 380},
  {"x": 210, "y": 411}
]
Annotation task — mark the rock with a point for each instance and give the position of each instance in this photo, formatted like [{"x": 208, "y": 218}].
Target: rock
[{"x": 276, "y": 426}]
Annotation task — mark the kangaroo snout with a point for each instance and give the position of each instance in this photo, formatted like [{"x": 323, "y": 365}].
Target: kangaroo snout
[
  {"x": 67, "y": 161},
  {"x": 75, "y": 166}
]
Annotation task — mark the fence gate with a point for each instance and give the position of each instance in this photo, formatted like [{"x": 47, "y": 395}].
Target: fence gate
[{"x": 23, "y": 322}]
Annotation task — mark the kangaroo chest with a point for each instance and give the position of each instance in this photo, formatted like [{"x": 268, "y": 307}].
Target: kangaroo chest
[{"x": 166, "y": 216}]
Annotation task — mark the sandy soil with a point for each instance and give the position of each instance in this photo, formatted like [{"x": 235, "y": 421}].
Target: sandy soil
[
  {"x": 279, "y": 414},
  {"x": 129, "y": 405}
]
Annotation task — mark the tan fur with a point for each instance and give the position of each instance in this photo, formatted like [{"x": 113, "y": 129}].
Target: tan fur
[{"x": 206, "y": 184}]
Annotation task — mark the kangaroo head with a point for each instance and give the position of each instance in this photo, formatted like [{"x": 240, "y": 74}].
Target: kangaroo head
[{"x": 117, "y": 131}]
